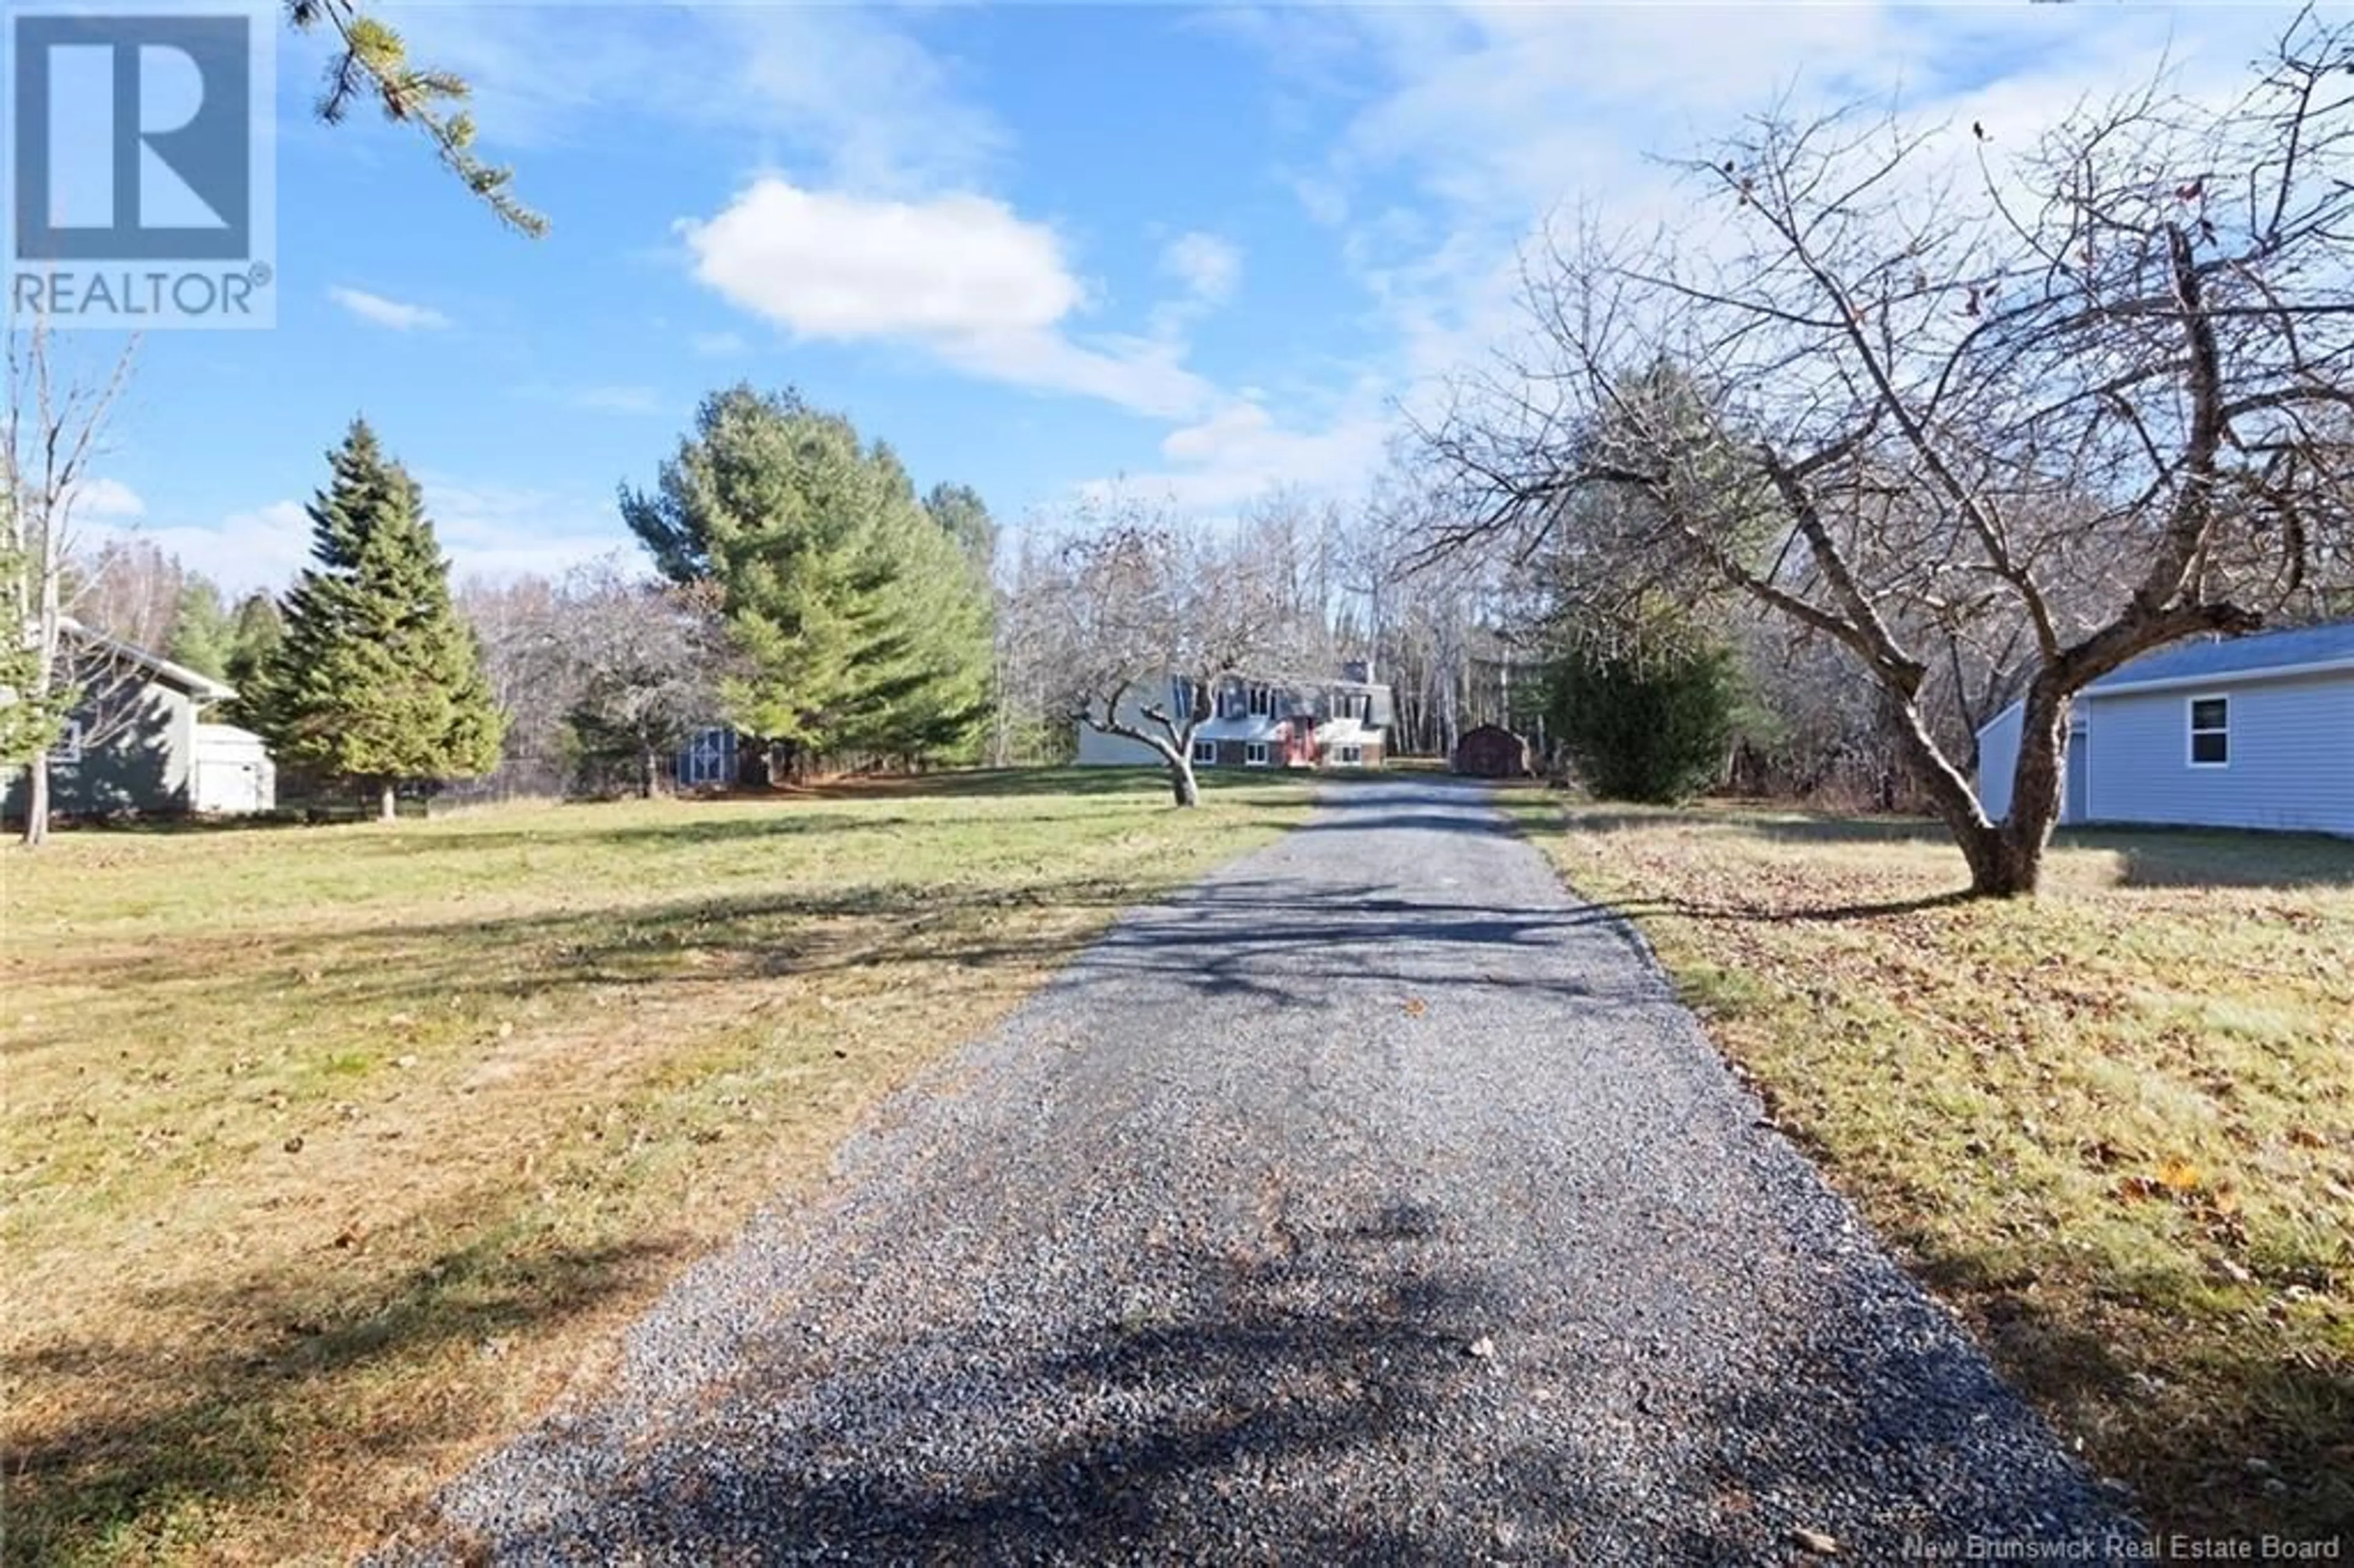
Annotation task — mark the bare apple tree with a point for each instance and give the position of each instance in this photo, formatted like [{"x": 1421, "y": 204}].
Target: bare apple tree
[
  {"x": 1919, "y": 387},
  {"x": 1143, "y": 615}
]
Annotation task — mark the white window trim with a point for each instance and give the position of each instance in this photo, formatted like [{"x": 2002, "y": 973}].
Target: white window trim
[
  {"x": 1258, "y": 701},
  {"x": 1352, "y": 757},
  {"x": 2191, "y": 732},
  {"x": 1255, "y": 754},
  {"x": 67, "y": 748},
  {"x": 1204, "y": 751}
]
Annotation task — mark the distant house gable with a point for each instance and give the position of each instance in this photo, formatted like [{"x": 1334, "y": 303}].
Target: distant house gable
[{"x": 96, "y": 646}]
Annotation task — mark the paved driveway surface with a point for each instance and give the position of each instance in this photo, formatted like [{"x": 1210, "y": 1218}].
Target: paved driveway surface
[{"x": 1369, "y": 1202}]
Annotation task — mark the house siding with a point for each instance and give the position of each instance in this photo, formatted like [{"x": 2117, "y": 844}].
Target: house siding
[
  {"x": 2291, "y": 756},
  {"x": 1998, "y": 756},
  {"x": 1099, "y": 750},
  {"x": 141, "y": 766}
]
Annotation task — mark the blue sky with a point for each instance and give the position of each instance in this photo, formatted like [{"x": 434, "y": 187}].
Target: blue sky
[{"x": 1034, "y": 247}]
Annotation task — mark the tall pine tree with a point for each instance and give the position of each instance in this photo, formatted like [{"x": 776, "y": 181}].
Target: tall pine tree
[
  {"x": 860, "y": 613},
  {"x": 377, "y": 679}
]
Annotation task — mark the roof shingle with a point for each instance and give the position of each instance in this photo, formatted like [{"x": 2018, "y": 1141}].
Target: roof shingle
[{"x": 2327, "y": 644}]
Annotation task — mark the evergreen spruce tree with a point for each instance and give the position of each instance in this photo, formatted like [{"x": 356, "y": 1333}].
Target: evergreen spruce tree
[
  {"x": 378, "y": 679},
  {"x": 254, "y": 636},
  {"x": 1645, "y": 723},
  {"x": 202, "y": 638}
]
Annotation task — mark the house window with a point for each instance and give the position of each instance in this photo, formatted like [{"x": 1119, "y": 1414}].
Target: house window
[
  {"x": 1262, "y": 700},
  {"x": 1205, "y": 751},
  {"x": 1255, "y": 754},
  {"x": 1352, "y": 757},
  {"x": 1180, "y": 696},
  {"x": 2211, "y": 732},
  {"x": 69, "y": 746}
]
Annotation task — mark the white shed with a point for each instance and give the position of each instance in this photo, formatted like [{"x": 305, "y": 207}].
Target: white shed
[{"x": 231, "y": 773}]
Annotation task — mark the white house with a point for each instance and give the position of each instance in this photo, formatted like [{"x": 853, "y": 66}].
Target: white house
[
  {"x": 1263, "y": 724},
  {"x": 2251, "y": 732}
]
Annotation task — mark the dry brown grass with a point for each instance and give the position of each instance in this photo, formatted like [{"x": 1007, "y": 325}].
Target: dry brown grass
[
  {"x": 2114, "y": 1125},
  {"x": 331, "y": 1154}
]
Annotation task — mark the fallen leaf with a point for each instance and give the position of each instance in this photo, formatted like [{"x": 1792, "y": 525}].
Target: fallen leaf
[
  {"x": 294, "y": 1144},
  {"x": 1483, "y": 1347},
  {"x": 1816, "y": 1542},
  {"x": 1415, "y": 1007}
]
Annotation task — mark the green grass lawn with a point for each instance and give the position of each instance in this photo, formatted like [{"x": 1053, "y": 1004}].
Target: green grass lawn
[
  {"x": 2114, "y": 1125},
  {"x": 332, "y": 1153}
]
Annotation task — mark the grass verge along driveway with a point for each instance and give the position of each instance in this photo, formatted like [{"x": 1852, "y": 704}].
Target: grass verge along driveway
[
  {"x": 2113, "y": 1127},
  {"x": 330, "y": 1154}
]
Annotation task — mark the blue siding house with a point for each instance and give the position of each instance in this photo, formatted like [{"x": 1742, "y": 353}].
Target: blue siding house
[{"x": 2253, "y": 732}]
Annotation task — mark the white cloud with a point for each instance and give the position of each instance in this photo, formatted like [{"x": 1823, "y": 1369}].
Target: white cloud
[
  {"x": 617, "y": 399},
  {"x": 829, "y": 265},
  {"x": 854, "y": 91},
  {"x": 962, "y": 275},
  {"x": 1241, "y": 452},
  {"x": 260, "y": 548},
  {"x": 1207, "y": 266},
  {"x": 504, "y": 530},
  {"x": 1488, "y": 119},
  {"x": 1464, "y": 131},
  {"x": 105, "y": 501},
  {"x": 594, "y": 397},
  {"x": 394, "y": 313},
  {"x": 1323, "y": 200},
  {"x": 487, "y": 530}
]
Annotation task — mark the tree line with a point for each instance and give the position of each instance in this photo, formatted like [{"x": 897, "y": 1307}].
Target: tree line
[{"x": 801, "y": 591}]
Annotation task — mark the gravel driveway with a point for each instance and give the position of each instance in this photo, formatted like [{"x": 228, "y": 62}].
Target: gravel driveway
[{"x": 1369, "y": 1202}]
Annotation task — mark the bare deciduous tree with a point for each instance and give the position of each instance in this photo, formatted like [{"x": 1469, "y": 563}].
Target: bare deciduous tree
[
  {"x": 2101, "y": 386},
  {"x": 646, "y": 661},
  {"x": 54, "y": 423},
  {"x": 1144, "y": 615},
  {"x": 605, "y": 667},
  {"x": 129, "y": 588}
]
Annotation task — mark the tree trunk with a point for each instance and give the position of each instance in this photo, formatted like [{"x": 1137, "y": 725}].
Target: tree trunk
[
  {"x": 649, "y": 771},
  {"x": 387, "y": 801},
  {"x": 2006, "y": 859},
  {"x": 37, "y": 800},
  {"x": 1182, "y": 785}
]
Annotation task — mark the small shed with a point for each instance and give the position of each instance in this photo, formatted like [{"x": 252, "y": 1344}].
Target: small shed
[
  {"x": 232, "y": 774},
  {"x": 1490, "y": 751}
]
